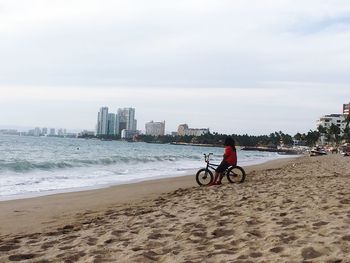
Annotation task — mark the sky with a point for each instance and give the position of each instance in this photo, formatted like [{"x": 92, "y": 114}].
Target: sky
[{"x": 243, "y": 66}]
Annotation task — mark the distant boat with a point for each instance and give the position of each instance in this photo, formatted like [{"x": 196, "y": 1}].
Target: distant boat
[
  {"x": 287, "y": 151},
  {"x": 317, "y": 151},
  {"x": 345, "y": 149}
]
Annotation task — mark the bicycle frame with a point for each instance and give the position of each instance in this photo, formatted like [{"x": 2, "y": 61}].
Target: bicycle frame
[
  {"x": 213, "y": 166},
  {"x": 210, "y": 165}
]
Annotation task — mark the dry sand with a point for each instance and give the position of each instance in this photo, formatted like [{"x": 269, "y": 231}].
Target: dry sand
[{"x": 287, "y": 211}]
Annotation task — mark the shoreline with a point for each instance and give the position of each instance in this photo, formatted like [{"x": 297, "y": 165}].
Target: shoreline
[
  {"x": 88, "y": 188},
  {"x": 37, "y": 213},
  {"x": 187, "y": 172}
]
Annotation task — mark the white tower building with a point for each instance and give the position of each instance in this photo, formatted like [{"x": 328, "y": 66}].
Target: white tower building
[
  {"x": 102, "y": 121},
  {"x": 336, "y": 119}
]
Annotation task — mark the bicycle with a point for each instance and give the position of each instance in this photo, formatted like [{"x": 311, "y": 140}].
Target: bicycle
[{"x": 204, "y": 176}]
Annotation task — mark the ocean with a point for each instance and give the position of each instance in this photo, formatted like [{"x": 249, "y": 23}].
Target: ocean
[{"x": 35, "y": 166}]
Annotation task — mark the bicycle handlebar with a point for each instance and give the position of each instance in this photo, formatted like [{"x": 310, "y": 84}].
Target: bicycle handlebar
[{"x": 207, "y": 157}]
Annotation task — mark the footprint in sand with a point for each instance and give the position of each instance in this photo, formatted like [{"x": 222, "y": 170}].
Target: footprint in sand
[
  {"x": 199, "y": 233},
  {"x": 48, "y": 244},
  {"x": 66, "y": 247},
  {"x": 256, "y": 254},
  {"x": 252, "y": 222},
  {"x": 222, "y": 232},
  {"x": 221, "y": 246},
  {"x": 75, "y": 257},
  {"x": 9, "y": 247},
  {"x": 91, "y": 241},
  {"x": 20, "y": 257},
  {"x": 109, "y": 241},
  {"x": 151, "y": 255},
  {"x": 346, "y": 238},
  {"x": 255, "y": 233},
  {"x": 286, "y": 222},
  {"x": 310, "y": 253},
  {"x": 319, "y": 224},
  {"x": 201, "y": 248},
  {"x": 277, "y": 249},
  {"x": 344, "y": 201},
  {"x": 286, "y": 239}
]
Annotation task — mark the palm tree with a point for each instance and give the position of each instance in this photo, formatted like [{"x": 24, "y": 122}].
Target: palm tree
[
  {"x": 347, "y": 120},
  {"x": 312, "y": 137},
  {"x": 323, "y": 132},
  {"x": 321, "y": 129},
  {"x": 346, "y": 134},
  {"x": 334, "y": 132}
]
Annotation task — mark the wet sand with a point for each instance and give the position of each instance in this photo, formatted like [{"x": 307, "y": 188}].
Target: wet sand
[{"x": 287, "y": 211}]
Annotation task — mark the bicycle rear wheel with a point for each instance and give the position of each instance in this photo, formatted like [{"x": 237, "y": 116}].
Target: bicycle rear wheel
[
  {"x": 235, "y": 174},
  {"x": 204, "y": 177}
]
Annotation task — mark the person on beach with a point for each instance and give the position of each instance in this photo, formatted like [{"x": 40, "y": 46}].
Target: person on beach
[{"x": 230, "y": 158}]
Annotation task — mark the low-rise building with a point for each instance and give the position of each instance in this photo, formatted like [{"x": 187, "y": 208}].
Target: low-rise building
[
  {"x": 86, "y": 133},
  {"x": 326, "y": 121},
  {"x": 9, "y": 132},
  {"x": 127, "y": 134},
  {"x": 155, "y": 128},
  {"x": 183, "y": 130},
  {"x": 336, "y": 119}
]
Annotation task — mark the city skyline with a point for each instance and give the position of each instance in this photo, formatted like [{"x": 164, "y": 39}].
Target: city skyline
[
  {"x": 122, "y": 123},
  {"x": 167, "y": 131},
  {"x": 233, "y": 66}
]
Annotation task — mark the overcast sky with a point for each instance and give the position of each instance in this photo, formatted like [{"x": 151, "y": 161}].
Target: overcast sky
[{"x": 242, "y": 66}]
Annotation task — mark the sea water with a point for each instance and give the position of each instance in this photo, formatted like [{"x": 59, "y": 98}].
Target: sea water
[{"x": 32, "y": 166}]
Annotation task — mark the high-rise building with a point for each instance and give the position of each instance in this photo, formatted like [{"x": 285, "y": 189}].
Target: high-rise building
[
  {"x": 125, "y": 120},
  {"x": 111, "y": 124},
  {"x": 37, "y": 131},
  {"x": 346, "y": 109},
  {"x": 102, "y": 121},
  {"x": 155, "y": 128},
  {"x": 44, "y": 131},
  {"x": 60, "y": 132},
  {"x": 52, "y": 132}
]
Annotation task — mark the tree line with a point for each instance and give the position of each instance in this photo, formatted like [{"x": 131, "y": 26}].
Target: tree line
[
  {"x": 273, "y": 139},
  {"x": 331, "y": 135}
]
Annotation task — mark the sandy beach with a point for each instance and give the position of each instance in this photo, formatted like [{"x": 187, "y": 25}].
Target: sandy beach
[{"x": 292, "y": 210}]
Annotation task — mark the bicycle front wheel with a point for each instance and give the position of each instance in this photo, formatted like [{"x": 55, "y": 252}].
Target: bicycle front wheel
[
  {"x": 235, "y": 174},
  {"x": 204, "y": 177}
]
